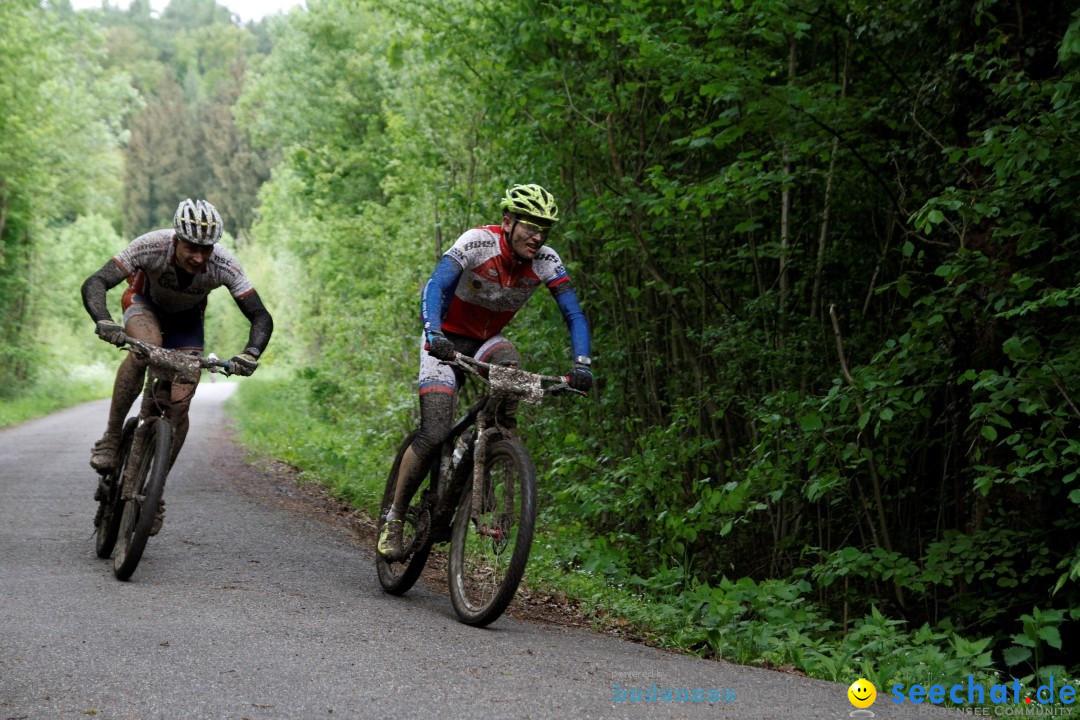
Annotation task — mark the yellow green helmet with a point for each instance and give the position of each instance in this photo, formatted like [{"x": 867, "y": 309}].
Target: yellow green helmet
[{"x": 531, "y": 200}]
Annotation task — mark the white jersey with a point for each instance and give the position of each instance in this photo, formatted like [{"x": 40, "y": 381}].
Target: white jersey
[{"x": 150, "y": 264}]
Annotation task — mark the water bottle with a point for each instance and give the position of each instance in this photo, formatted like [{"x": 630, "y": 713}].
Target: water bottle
[
  {"x": 459, "y": 452},
  {"x": 460, "y": 447}
]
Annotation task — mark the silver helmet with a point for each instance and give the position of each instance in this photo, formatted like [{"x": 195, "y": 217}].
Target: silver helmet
[{"x": 198, "y": 222}]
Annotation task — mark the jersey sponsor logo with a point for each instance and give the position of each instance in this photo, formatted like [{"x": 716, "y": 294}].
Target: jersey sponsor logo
[
  {"x": 224, "y": 264},
  {"x": 478, "y": 244},
  {"x": 169, "y": 281},
  {"x": 145, "y": 251}
]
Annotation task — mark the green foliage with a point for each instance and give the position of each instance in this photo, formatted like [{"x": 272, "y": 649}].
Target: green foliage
[
  {"x": 280, "y": 417},
  {"x": 1041, "y": 630},
  {"x": 59, "y": 133},
  {"x": 56, "y": 389},
  {"x": 828, "y": 254},
  {"x": 189, "y": 65},
  {"x": 64, "y": 334},
  {"x": 828, "y": 261},
  {"x": 771, "y": 622}
]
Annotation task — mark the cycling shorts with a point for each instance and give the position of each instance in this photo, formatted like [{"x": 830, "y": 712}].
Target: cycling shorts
[
  {"x": 182, "y": 330},
  {"x": 438, "y": 377}
]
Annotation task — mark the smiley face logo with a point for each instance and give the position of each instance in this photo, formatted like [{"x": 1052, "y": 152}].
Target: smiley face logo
[{"x": 862, "y": 693}]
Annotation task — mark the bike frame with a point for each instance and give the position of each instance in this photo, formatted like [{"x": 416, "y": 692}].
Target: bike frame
[
  {"x": 127, "y": 512},
  {"x": 442, "y": 513},
  {"x": 504, "y": 383}
]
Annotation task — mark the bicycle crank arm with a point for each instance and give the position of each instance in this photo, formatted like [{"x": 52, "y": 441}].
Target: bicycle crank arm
[{"x": 492, "y": 532}]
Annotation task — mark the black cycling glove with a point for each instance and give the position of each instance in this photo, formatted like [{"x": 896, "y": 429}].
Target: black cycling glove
[
  {"x": 439, "y": 346},
  {"x": 581, "y": 377}
]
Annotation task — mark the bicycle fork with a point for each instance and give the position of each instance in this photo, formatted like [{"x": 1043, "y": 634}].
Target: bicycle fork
[
  {"x": 483, "y": 486},
  {"x": 132, "y": 468},
  {"x": 156, "y": 395}
]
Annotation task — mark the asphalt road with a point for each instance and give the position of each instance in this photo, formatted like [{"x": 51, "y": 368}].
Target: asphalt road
[{"x": 242, "y": 608}]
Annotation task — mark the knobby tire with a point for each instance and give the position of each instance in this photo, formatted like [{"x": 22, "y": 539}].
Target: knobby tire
[
  {"x": 484, "y": 569},
  {"x": 397, "y": 578},
  {"x": 109, "y": 527},
  {"x": 138, "y": 515}
]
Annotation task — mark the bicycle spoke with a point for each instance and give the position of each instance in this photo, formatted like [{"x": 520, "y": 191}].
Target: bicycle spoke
[
  {"x": 491, "y": 537},
  {"x": 397, "y": 577}
]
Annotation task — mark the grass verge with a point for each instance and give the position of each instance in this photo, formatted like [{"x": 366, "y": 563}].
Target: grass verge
[{"x": 53, "y": 391}]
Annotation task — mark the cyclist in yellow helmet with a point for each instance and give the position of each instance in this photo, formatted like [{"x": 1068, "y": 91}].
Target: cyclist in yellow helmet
[{"x": 478, "y": 286}]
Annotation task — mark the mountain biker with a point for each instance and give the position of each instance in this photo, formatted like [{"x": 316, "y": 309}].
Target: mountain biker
[
  {"x": 169, "y": 272},
  {"x": 480, "y": 283}
]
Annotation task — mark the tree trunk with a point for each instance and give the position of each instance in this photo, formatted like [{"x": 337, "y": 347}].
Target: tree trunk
[
  {"x": 785, "y": 215},
  {"x": 815, "y": 296}
]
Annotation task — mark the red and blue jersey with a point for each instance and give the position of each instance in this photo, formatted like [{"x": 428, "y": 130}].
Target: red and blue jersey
[{"x": 479, "y": 286}]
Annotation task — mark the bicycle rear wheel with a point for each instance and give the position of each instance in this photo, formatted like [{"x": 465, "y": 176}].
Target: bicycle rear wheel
[
  {"x": 113, "y": 507},
  {"x": 139, "y": 511},
  {"x": 488, "y": 552},
  {"x": 397, "y": 578}
]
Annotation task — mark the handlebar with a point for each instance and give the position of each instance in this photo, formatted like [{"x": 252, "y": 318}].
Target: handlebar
[
  {"x": 513, "y": 381},
  {"x": 177, "y": 362}
]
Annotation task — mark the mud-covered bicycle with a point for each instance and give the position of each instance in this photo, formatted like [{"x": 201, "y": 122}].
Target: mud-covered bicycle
[
  {"x": 479, "y": 493},
  {"x": 130, "y": 494}
]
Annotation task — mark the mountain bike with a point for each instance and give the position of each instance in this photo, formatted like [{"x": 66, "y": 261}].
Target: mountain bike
[
  {"x": 132, "y": 492},
  {"x": 478, "y": 493}
]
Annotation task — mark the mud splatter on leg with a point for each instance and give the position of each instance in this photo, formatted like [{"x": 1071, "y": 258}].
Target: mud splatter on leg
[{"x": 132, "y": 371}]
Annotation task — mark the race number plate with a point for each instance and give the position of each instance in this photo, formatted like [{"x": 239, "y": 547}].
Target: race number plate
[{"x": 516, "y": 382}]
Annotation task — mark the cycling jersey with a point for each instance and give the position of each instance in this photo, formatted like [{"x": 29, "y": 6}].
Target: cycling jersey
[
  {"x": 479, "y": 286},
  {"x": 150, "y": 264}
]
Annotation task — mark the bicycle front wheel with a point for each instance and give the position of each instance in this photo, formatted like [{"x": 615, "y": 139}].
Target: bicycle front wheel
[
  {"x": 112, "y": 507},
  {"x": 397, "y": 578},
  {"x": 140, "y": 509},
  {"x": 490, "y": 544}
]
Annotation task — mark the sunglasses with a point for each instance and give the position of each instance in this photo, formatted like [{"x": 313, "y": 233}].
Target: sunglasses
[{"x": 532, "y": 229}]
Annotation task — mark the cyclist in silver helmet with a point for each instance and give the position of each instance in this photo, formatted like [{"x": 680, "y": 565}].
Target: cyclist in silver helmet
[{"x": 169, "y": 273}]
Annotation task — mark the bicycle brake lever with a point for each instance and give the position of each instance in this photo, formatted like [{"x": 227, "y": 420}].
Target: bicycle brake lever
[
  {"x": 133, "y": 346},
  {"x": 224, "y": 368},
  {"x": 564, "y": 387},
  {"x": 452, "y": 361}
]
